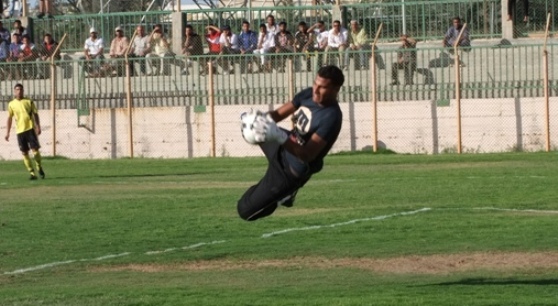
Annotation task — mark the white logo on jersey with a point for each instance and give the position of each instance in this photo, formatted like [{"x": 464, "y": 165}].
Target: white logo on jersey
[{"x": 303, "y": 120}]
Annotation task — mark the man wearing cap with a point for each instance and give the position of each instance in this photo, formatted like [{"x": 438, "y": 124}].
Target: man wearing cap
[
  {"x": 212, "y": 37},
  {"x": 93, "y": 51},
  {"x": 118, "y": 47}
]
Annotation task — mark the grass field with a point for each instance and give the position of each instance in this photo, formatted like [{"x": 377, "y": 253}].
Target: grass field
[{"x": 368, "y": 230}]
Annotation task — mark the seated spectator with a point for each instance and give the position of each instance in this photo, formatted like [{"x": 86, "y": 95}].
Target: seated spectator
[
  {"x": 140, "y": 48},
  {"x": 271, "y": 25},
  {"x": 453, "y": 33},
  {"x": 45, "y": 8},
  {"x": 337, "y": 40},
  {"x": 118, "y": 47},
  {"x": 159, "y": 48},
  {"x": 358, "y": 41},
  {"x": 304, "y": 44},
  {"x": 28, "y": 53},
  {"x": 19, "y": 29},
  {"x": 212, "y": 37},
  {"x": 4, "y": 54},
  {"x": 266, "y": 44},
  {"x": 407, "y": 60},
  {"x": 229, "y": 46},
  {"x": 46, "y": 53},
  {"x": 320, "y": 35},
  {"x": 4, "y": 33},
  {"x": 248, "y": 41},
  {"x": 192, "y": 47},
  {"x": 13, "y": 56},
  {"x": 284, "y": 43},
  {"x": 93, "y": 50}
]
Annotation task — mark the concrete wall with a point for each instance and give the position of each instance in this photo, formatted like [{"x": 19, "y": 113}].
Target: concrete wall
[{"x": 405, "y": 127}]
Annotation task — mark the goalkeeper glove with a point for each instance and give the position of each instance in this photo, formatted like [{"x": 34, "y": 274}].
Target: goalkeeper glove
[{"x": 275, "y": 133}]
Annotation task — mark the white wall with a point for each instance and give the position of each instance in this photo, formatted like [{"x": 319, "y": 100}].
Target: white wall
[{"x": 405, "y": 127}]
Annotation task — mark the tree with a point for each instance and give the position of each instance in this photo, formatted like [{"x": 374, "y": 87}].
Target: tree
[{"x": 94, "y": 6}]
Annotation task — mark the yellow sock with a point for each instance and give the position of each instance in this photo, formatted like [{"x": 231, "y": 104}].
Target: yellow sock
[
  {"x": 37, "y": 156},
  {"x": 27, "y": 162}
]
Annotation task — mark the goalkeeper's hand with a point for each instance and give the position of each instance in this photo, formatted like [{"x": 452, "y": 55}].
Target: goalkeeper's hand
[{"x": 275, "y": 133}]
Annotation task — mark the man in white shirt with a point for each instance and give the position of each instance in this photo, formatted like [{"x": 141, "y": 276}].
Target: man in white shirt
[
  {"x": 266, "y": 44},
  {"x": 337, "y": 40},
  {"x": 319, "y": 34},
  {"x": 159, "y": 48},
  {"x": 229, "y": 45},
  {"x": 93, "y": 50},
  {"x": 140, "y": 47}
]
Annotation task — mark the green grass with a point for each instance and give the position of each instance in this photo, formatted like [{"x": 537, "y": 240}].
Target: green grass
[{"x": 88, "y": 209}]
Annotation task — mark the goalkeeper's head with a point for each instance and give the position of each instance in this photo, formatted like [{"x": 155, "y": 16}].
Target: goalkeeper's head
[{"x": 327, "y": 84}]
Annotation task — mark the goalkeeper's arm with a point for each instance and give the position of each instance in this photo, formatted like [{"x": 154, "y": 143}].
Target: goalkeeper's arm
[
  {"x": 282, "y": 112},
  {"x": 307, "y": 152}
]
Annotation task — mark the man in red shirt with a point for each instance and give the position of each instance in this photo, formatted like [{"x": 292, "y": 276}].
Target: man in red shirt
[{"x": 212, "y": 38}]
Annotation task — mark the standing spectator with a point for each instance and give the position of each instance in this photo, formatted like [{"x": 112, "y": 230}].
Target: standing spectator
[
  {"x": 320, "y": 35},
  {"x": 284, "y": 43},
  {"x": 159, "y": 48},
  {"x": 45, "y": 8},
  {"x": 248, "y": 41},
  {"x": 212, "y": 38},
  {"x": 93, "y": 51},
  {"x": 271, "y": 25},
  {"x": 358, "y": 41},
  {"x": 453, "y": 33},
  {"x": 19, "y": 29},
  {"x": 511, "y": 9},
  {"x": 46, "y": 54},
  {"x": 14, "y": 50},
  {"x": 140, "y": 47},
  {"x": 118, "y": 47},
  {"x": 28, "y": 53},
  {"x": 4, "y": 33},
  {"x": 337, "y": 40},
  {"x": 303, "y": 44},
  {"x": 192, "y": 47},
  {"x": 28, "y": 127},
  {"x": 266, "y": 44},
  {"x": 229, "y": 46},
  {"x": 12, "y": 7}
]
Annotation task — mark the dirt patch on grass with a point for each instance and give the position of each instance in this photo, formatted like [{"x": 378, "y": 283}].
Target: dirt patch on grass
[{"x": 431, "y": 264}]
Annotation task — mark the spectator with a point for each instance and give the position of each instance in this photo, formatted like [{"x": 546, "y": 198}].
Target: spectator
[
  {"x": 270, "y": 25},
  {"x": 93, "y": 51},
  {"x": 212, "y": 38},
  {"x": 453, "y": 33},
  {"x": 303, "y": 44},
  {"x": 229, "y": 46},
  {"x": 19, "y": 29},
  {"x": 11, "y": 8},
  {"x": 192, "y": 47},
  {"x": 140, "y": 47},
  {"x": 407, "y": 60},
  {"x": 248, "y": 41},
  {"x": 284, "y": 43},
  {"x": 118, "y": 47},
  {"x": 320, "y": 35},
  {"x": 511, "y": 9},
  {"x": 45, "y": 8},
  {"x": 46, "y": 53},
  {"x": 4, "y": 33},
  {"x": 337, "y": 40},
  {"x": 159, "y": 48},
  {"x": 358, "y": 41},
  {"x": 4, "y": 54},
  {"x": 266, "y": 44},
  {"x": 28, "y": 53},
  {"x": 14, "y": 50}
]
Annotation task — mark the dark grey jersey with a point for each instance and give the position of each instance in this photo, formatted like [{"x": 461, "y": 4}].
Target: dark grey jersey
[{"x": 311, "y": 118}]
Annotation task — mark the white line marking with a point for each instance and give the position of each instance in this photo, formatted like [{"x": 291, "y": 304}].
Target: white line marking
[
  {"x": 307, "y": 228},
  {"x": 517, "y": 210}
]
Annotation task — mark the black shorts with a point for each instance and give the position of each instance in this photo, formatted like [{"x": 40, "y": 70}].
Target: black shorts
[
  {"x": 28, "y": 139},
  {"x": 278, "y": 182}
]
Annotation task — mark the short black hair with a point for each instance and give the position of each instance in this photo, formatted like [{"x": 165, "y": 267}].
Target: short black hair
[
  {"x": 302, "y": 23},
  {"x": 332, "y": 73},
  {"x": 456, "y": 18},
  {"x": 321, "y": 22},
  {"x": 245, "y": 22},
  {"x": 18, "y": 85},
  {"x": 189, "y": 26},
  {"x": 262, "y": 25},
  {"x": 283, "y": 23},
  {"x": 26, "y": 36}
]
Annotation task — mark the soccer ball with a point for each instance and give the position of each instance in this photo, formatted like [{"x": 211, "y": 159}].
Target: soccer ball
[{"x": 247, "y": 127}]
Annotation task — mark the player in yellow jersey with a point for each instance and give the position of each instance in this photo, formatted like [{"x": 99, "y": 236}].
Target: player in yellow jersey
[{"x": 27, "y": 127}]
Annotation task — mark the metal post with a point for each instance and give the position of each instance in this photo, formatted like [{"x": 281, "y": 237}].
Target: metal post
[
  {"x": 546, "y": 87},
  {"x": 211, "y": 92},
  {"x": 458, "y": 88},
  {"x": 53, "y": 93},
  {"x": 291, "y": 76},
  {"x": 374, "y": 92},
  {"x": 403, "y": 17},
  {"x": 129, "y": 98}
]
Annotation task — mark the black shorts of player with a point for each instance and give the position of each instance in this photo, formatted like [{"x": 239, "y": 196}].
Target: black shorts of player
[
  {"x": 28, "y": 139},
  {"x": 278, "y": 182}
]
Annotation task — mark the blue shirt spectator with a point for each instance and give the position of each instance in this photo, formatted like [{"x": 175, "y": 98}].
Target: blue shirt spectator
[
  {"x": 248, "y": 39},
  {"x": 4, "y": 51},
  {"x": 453, "y": 33}
]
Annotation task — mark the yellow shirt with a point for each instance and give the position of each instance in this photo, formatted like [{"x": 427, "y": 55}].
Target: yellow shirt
[
  {"x": 359, "y": 39},
  {"x": 23, "y": 111}
]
